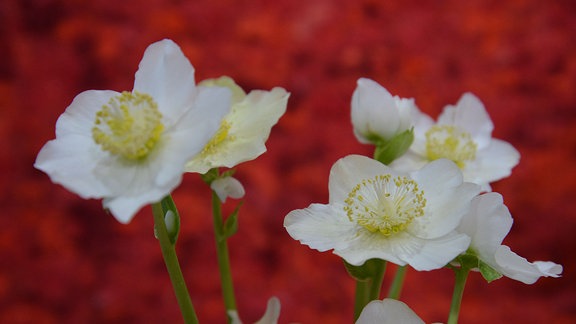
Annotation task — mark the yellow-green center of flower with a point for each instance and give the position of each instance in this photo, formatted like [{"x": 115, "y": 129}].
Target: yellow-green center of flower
[
  {"x": 216, "y": 141},
  {"x": 449, "y": 142},
  {"x": 385, "y": 204},
  {"x": 128, "y": 126}
]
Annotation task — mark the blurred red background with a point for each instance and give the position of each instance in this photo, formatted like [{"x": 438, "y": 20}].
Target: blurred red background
[{"x": 63, "y": 260}]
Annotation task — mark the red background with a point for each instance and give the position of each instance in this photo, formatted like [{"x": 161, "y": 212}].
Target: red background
[{"x": 63, "y": 260}]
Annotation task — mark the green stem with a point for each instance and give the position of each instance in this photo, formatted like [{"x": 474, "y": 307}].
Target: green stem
[
  {"x": 460, "y": 283},
  {"x": 368, "y": 289},
  {"x": 172, "y": 265},
  {"x": 396, "y": 287},
  {"x": 223, "y": 256}
]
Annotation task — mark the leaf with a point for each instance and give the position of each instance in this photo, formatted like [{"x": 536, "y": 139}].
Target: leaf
[
  {"x": 488, "y": 272},
  {"x": 231, "y": 224},
  {"x": 386, "y": 152}
]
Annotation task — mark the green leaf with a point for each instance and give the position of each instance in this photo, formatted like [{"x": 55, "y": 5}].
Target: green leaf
[
  {"x": 231, "y": 224},
  {"x": 367, "y": 271},
  {"x": 388, "y": 151},
  {"x": 488, "y": 272}
]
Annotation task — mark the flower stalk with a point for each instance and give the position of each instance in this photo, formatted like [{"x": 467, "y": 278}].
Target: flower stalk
[
  {"x": 171, "y": 261},
  {"x": 221, "y": 237},
  {"x": 459, "y": 285},
  {"x": 369, "y": 277},
  {"x": 397, "y": 283}
]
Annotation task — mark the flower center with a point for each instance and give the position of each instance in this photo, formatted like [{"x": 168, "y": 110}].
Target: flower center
[
  {"x": 221, "y": 135},
  {"x": 386, "y": 204},
  {"x": 451, "y": 143},
  {"x": 129, "y": 125}
]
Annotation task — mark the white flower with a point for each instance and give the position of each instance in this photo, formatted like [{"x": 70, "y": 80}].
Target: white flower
[
  {"x": 377, "y": 212},
  {"x": 227, "y": 187},
  {"x": 376, "y": 115},
  {"x": 487, "y": 223},
  {"x": 270, "y": 316},
  {"x": 388, "y": 311},
  {"x": 244, "y": 131},
  {"x": 130, "y": 148},
  {"x": 462, "y": 134}
]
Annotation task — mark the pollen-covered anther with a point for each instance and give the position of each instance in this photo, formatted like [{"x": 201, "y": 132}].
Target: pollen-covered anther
[
  {"x": 385, "y": 204},
  {"x": 128, "y": 126},
  {"x": 216, "y": 141},
  {"x": 449, "y": 142}
]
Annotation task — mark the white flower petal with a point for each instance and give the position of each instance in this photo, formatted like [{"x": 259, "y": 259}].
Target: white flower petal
[
  {"x": 348, "y": 171},
  {"x": 436, "y": 253},
  {"x": 79, "y": 117},
  {"x": 272, "y": 312},
  {"x": 373, "y": 245},
  {"x": 448, "y": 198},
  {"x": 494, "y": 162},
  {"x": 321, "y": 227},
  {"x": 518, "y": 268},
  {"x": 167, "y": 75},
  {"x": 70, "y": 161},
  {"x": 469, "y": 114},
  {"x": 388, "y": 311},
  {"x": 549, "y": 269},
  {"x": 250, "y": 123},
  {"x": 487, "y": 223},
  {"x": 70, "y": 158},
  {"x": 373, "y": 111},
  {"x": 195, "y": 129},
  {"x": 227, "y": 187}
]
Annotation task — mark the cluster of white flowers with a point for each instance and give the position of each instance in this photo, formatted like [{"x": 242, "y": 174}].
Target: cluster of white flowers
[
  {"x": 132, "y": 148},
  {"x": 429, "y": 204},
  {"x": 426, "y": 208}
]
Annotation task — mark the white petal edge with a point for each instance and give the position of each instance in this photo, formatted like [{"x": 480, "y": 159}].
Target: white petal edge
[
  {"x": 167, "y": 75},
  {"x": 373, "y": 111},
  {"x": 388, "y": 311}
]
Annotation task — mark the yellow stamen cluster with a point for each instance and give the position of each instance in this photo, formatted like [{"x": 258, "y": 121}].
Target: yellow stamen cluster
[
  {"x": 216, "y": 141},
  {"x": 449, "y": 142},
  {"x": 385, "y": 204},
  {"x": 128, "y": 126}
]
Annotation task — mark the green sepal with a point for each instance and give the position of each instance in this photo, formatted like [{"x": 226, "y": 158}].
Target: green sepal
[
  {"x": 230, "y": 226},
  {"x": 210, "y": 175},
  {"x": 489, "y": 273},
  {"x": 467, "y": 260},
  {"x": 370, "y": 269},
  {"x": 388, "y": 151},
  {"x": 172, "y": 221}
]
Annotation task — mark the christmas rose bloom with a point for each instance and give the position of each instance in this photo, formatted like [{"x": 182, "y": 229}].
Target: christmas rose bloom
[
  {"x": 376, "y": 115},
  {"x": 388, "y": 311},
  {"x": 130, "y": 148},
  {"x": 377, "y": 212},
  {"x": 244, "y": 131},
  {"x": 487, "y": 223},
  {"x": 462, "y": 134}
]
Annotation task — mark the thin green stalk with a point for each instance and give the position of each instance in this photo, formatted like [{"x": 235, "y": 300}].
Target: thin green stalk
[
  {"x": 223, "y": 256},
  {"x": 172, "y": 265},
  {"x": 362, "y": 297},
  {"x": 460, "y": 283},
  {"x": 397, "y": 283},
  {"x": 368, "y": 288}
]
